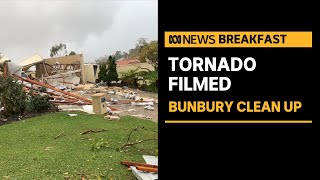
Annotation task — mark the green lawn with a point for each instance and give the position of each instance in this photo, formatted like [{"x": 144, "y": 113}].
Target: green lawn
[{"x": 29, "y": 150}]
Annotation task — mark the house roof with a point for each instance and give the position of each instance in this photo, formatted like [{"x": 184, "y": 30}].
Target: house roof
[
  {"x": 31, "y": 61},
  {"x": 4, "y": 59},
  {"x": 124, "y": 62}
]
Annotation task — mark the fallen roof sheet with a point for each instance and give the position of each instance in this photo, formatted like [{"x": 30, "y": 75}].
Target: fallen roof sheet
[
  {"x": 14, "y": 69},
  {"x": 140, "y": 175},
  {"x": 31, "y": 61}
]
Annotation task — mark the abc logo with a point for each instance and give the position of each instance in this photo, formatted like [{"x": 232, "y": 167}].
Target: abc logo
[{"x": 174, "y": 39}]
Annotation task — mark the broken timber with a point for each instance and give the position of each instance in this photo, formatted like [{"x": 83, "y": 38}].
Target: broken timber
[
  {"x": 129, "y": 163},
  {"x": 93, "y": 131},
  {"x": 147, "y": 169},
  {"x": 53, "y": 88}
]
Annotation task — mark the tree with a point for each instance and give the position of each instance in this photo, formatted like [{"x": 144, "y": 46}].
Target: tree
[
  {"x": 149, "y": 53},
  {"x": 108, "y": 69},
  {"x": 112, "y": 74},
  {"x": 131, "y": 78},
  {"x": 72, "y": 53},
  {"x": 146, "y": 52},
  {"x": 102, "y": 60},
  {"x": 60, "y": 50},
  {"x": 1, "y": 66},
  {"x": 120, "y": 55},
  {"x": 102, "y": 75},
  {"x": 133, "y": 53},
  {"x": 12, "y": 97}
]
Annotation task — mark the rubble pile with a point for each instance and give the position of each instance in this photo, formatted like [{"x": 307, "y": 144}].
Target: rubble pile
[
  {"x": 63, "y": 80},
  {"x": 129, "y": 102}
]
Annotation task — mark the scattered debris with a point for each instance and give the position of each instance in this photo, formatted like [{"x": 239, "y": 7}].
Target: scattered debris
[
  {"x": 114, "y": 101},
  {"x": 138, "y": 142},
  {"x": 83, "y": 177},
  {"x": 129, "y": 95},
  {"x": 93, "y": 131},
  {"x": 88, "y": 109},
  {"x": 111, "y": 92},
  {"x": 139, "y": 116},
  {"x": 62, "y": 79},
  {"x": 72, "y": 115},
  {"x": 109, "y": 110},
  {"x": 96, "y": 90},
  {"x": 66, "y": 94},
  {"x": 144, "y": 171},
  {"x": 147, "y": 169},
  {"x": 81, "y": 92},
  {"x": 129, "y": 144},
  {"x": 112, "y": 117},
  {"x": 101, "y": 84},
  {"x": 130, "y": 163},
  {"x": 59, "y": 135},
  {"x": 144, "y": 99},
  {"x": 47, "y": 149},
  {"x": 149, "y": 108},
  {"x": 142, "y": 103},
  {"x": 61, "y": 87}
]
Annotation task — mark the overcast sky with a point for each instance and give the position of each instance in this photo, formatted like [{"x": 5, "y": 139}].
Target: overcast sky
[{"x": 92, "y": 27}]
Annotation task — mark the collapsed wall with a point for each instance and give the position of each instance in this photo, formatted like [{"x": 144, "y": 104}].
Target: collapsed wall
[{"x": 70, "y": 68}]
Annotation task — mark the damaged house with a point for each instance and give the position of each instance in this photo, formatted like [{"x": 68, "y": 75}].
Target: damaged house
[
  {"x": 57, "y": 75},
  {"x": 91, "y": 72},
  {"x": 56, "y": 71}
]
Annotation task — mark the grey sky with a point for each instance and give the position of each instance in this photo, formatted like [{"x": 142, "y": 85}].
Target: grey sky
[{"x": 92, "y": 27}]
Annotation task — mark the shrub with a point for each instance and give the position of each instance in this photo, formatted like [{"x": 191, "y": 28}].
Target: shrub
[
  {"x": 131, "y": 78},
  {"x": 151, "y": 78},
  {"x": 111, "y": 74},
  {"x": 40, "y": 104},
  {"x": 12, "y": 97},
  {"x": 102, "y": 75},
  {"x": 43, "y": 89},
  {"x": 151, "y": 87}
]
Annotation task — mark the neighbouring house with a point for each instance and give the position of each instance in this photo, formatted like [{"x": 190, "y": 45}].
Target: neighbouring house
[
  {"x": 125, "y": 65},
  {"x": 91, "y": 72}
]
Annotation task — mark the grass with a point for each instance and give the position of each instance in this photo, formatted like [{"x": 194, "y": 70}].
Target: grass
[{"x": 29, "y": 150}]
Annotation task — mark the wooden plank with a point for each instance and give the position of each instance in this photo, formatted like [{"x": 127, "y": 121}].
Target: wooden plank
[
  {"x": 5, "y": 70},
  {"x": 129, "y": 163},
  {"x": 147, "y": 169}
]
